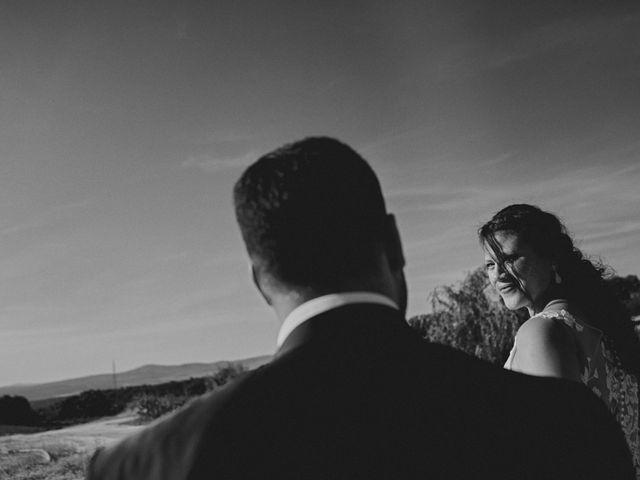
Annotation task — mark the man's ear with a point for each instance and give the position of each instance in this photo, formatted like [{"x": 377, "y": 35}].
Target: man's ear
[
  {"x": 256, "y": 277},
  {"x": 393, "y": 244}
]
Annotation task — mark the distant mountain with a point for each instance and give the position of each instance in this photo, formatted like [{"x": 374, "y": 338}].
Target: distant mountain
[{"x": 145, "y": 375}]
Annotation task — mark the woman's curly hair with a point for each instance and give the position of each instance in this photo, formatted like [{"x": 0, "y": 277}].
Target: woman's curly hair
[{"x": 583, "y": 280}]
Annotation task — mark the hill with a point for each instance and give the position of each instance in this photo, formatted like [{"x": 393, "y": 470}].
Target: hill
[{"x": 145, "y": 375}]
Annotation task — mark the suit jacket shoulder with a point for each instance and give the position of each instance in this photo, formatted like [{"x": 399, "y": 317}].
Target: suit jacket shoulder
[{"x": 357, "y": 394}]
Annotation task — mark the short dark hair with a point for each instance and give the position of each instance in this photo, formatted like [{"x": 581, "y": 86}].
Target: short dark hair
[{"x": 311, "y": 212}]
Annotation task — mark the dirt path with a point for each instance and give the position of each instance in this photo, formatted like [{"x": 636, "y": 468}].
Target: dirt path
[
  {"x": 81, "y": 438},
  {"x": 60, "y": 454}
]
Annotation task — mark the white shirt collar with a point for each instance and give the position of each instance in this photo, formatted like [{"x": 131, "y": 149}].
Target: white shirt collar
[{"x": 319, "y": 305}]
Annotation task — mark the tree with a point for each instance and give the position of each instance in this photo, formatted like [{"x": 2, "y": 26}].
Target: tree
[
  {"x": 16, "y": 410},
  {"x": 150, "y": 407},
  {"x": 471, "y": 318},
  {"x": 225, "y": 374},
  {"x": 627, "y": 290},
  {"x": 88, "y": 404}
]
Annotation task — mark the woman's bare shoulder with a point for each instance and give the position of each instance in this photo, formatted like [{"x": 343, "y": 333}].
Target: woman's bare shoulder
[
  {"x": 546, "y": 347},
  {"x": 543, "y": 327}
]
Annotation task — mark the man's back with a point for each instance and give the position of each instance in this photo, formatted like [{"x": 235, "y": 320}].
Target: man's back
[{"x": 354, "y": 393}]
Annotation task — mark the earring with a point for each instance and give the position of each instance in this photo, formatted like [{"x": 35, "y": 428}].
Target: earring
[{"x": 556, "y": 275}]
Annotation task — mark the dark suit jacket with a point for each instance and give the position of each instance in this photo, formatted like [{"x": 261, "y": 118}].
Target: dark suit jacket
[{"x": 355, "y": 393}]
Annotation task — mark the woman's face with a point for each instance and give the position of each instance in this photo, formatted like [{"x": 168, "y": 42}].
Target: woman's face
[{"x": 525, "y": 275}]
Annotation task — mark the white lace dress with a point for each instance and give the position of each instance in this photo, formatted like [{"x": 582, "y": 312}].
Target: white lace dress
[{"x": 602, "y": 372}]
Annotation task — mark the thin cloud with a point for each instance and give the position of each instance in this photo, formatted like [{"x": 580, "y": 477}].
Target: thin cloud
[
  {"x": 497, "y": 160},
  {"x": 209, "y": 163},
  {"x": 443, "y": 198},
  {"x": 65, "y": 207},
  {"x": 329, "y": 86},
  {"x": 583, "y": 32},
  {"x": 625, "y": 229},
  {"x": 18, "y": 228},
  {"x": 53, "y": 214},
  {"x": 217, "y": 136},
  {"x": 400, "y": 136},
  {"x": 441, "y": 241},
  {"x": 181, "y": 31}
]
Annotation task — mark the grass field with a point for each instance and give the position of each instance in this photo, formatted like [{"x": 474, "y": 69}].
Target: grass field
[{"x": 59, "y": 454}]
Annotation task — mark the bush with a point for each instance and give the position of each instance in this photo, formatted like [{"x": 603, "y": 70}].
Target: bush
[
  {"x": 469, "y": 318},
  {"x": 89, "y": 404},
  {"x": 472, "y": 318},
  {"x": 154, "y": 400},
  {"x": 169, "y": 397},
  {"x": 150, "y": 407},
  {"x": 16, "y": 410},
  {"x": 627, "y": 290},
  {"x": 225, "y": 375}
]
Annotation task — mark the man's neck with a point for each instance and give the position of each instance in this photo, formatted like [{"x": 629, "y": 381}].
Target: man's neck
[
  {"x": 284, "y": 303},
  {"x": 318, "y": 305}
]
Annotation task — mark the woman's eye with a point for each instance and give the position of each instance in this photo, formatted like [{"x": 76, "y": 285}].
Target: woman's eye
[{"x": 509, "y": 262}]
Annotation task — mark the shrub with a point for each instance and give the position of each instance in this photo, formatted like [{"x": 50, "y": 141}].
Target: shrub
[
  {"x": 627, "y": 290},
  {"x": 166, "y": 398},
  {"x": 225, "y": 375},
  {"x": 472, "y": 318},
  {"x": 16, "y": 410},
  {"x": 88, "y": 404},
  {"x": 150, "y": 401},
  {"x": 467, "y": 317},
  {"x": 150, "y": 407}
]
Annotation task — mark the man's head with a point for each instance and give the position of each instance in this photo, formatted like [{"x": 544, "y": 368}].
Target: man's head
[{"x": 314, "y": 220}]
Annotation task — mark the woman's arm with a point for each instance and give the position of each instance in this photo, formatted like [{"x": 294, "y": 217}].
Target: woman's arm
[{"x": 545, "y": 348}]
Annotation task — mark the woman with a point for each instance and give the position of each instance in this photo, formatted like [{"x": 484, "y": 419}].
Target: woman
[{"x": 577, "y": 329}]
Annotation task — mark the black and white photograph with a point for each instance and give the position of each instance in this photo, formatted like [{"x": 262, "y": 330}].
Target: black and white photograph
[{"x": 296, "y": 239}]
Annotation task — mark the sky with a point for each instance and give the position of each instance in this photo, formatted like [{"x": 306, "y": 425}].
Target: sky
[{"x": 123, "y": 126}]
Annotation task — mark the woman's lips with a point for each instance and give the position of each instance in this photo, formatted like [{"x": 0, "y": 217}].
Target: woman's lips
[{"x": 508, "y": 288}]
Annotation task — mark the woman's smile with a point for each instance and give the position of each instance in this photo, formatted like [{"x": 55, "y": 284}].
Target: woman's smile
[{"x": 506, "y": 288}]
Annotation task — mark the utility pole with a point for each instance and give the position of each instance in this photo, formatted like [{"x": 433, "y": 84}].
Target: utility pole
[{"x": 113, "y": 368}]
